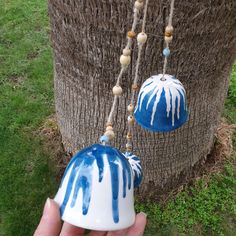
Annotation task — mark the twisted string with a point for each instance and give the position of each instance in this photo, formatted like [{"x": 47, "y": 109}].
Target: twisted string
[
  {"x": 167, "y": 43},
  {"x": 123, "y": 68},
  {"x": 136, "y": 77}
]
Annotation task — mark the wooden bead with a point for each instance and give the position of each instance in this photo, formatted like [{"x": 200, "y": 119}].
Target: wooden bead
[
  {"x": 135, "y": 87},
  {"x": 109, "y": 128},
  {"x": 130, "y": 108},
  {"x": 108, "y": 124},
  {"x": 125, "y": 60},
  {"x": 129, "y": 136},
  {"x": 117, "y": 90},
  {"x": 130, "y": 120},
  {"x": 169, "y": 29},
  {"x": 128, "y": 146},
  {"x": 131, "y": 34},
  {"x": 126, "y": 52},
  {"x": 138, "y": 5},
  {"x": 110, "y": 134},
  {"x": 168, "y": 39},
  {"x": 142, "y": 37},
  {"x": 168, "y": 34}
]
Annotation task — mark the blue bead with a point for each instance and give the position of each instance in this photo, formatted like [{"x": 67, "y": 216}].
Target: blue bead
[
  {"x": 166, "y": 52},
  {"x": 104, "y": 139}
]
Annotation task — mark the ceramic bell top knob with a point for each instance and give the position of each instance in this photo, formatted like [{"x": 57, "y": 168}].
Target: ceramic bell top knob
[
  {"x": 96, "y": 191},
  {"x": 161, "y": 105}
]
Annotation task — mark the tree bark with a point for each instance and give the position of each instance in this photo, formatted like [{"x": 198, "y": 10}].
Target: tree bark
[{"x": 88, "y": 37}]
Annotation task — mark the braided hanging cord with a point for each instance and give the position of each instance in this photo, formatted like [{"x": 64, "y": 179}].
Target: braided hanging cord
[
  {"x": 168, "y": 36},
  {"x": 142, "y": 37},
  {"x": 125, "y": 61},
  {"x": 123, "y": 67}
]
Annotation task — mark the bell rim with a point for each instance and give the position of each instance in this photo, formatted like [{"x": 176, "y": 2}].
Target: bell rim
[
  {"x": 161, "y": 130},
  {"x": 95, "y": 226}
]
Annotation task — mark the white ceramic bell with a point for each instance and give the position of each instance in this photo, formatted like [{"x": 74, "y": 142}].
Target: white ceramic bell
[{"x": 96, "y": 191}]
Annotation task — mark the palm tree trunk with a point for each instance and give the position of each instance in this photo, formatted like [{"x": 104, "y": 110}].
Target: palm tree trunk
[{"x": 88, "y": 37}]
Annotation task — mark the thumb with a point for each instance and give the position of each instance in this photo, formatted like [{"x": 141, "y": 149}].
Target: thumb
[
  {"x": 137, "y": 229},
  {"x": 50, "y": 223}
]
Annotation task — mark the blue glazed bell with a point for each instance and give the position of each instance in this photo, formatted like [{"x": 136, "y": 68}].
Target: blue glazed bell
[
  {"x": 161, "y": 105},
  {"x": 96, "y": 191}
]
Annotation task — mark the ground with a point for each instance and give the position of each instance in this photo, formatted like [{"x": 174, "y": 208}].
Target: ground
[{"x": 27, "y": 162}]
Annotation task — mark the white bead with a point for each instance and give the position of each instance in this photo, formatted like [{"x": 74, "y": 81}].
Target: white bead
[
  {"x": 130, "y": 120},
  {"x": 142, "y": 37},
  {"x": 125, "y": 60},
  {"x": 109, "y": 128},
  {"x": 126, "y": 52},
  {"x": 130, "y": 108},
  {"x": 138, "y": 5},
  {"x": 169, "y": 29},
  {"x": 168, "y": 39},
  {"x": 128, "y": 146},
  {"x": 117, "y": 90},
  {"x": 110, "y": 134}
]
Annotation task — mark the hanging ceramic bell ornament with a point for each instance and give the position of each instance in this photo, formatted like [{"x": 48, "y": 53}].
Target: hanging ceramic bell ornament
[
  {"x": 161, "y": 105},
  {"x": 96, "y": 191}
]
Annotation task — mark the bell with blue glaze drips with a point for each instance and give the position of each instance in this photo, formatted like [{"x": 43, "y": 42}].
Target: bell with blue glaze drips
[
  {"x": 96, "y": 191},
  {"x": 161, "y": 105}
]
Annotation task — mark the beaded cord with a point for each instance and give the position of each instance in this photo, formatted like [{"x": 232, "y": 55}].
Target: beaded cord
[
  {"x": 141, "y": 39},
  {"x": 168, "y": 37},
  {"x": 125, "y": 61}
]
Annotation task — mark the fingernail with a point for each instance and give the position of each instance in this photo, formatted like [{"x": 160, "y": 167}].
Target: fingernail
[
  {"x": 47, "y": 207},
  {"x": 144, "y": 214}
]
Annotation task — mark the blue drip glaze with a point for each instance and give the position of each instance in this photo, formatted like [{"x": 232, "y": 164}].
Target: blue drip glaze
[
  {"x": 81, "y": 166},
  {"x": 124, "y": 183},
  {"x": 71, "y": 180},
  {"x": 100, "y": 165},
  {"x": 148, "y": 84},
  {"x": 84, "y": 181},
  {"x": 129, "y": 181},
  {"x": 139, "y": 167},
  {"x": 126, "y": 167},
  {"x": 135, "y": 163},
  {"x": 67, "y": 169},
  {"x": 115, "y": 188},
  {"x": 73, "y": 159}
]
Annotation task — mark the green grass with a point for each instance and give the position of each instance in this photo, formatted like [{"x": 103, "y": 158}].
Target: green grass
[
  {"x": 230, "y": 103},
  {"x": 26, "y": 99},
  {"x": 28, "y": 175},
  {"x": 207, "y": 208}
]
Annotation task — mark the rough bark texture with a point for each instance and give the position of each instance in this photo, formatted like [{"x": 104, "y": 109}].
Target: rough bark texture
[{"x": 88, "y": 37}]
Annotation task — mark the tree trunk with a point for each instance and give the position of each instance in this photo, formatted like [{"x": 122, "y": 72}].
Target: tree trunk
[{"x": 88, "y": 37}]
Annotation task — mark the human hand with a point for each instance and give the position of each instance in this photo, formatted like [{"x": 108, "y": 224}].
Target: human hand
[{"x": 51, "y": 225}]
